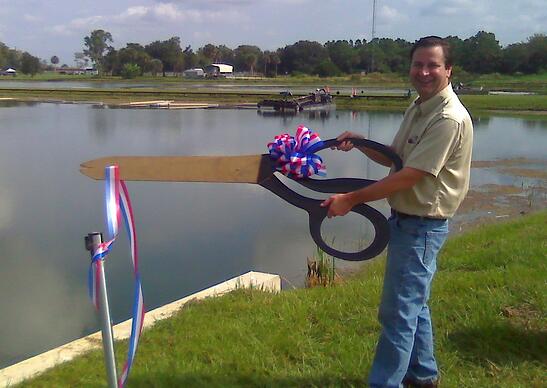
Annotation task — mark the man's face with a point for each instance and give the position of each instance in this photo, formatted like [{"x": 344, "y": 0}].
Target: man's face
[{"x": 428, "y": 71}]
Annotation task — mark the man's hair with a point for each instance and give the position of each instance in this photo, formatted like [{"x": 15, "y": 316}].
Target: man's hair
[{"x": 434, "y": 41}]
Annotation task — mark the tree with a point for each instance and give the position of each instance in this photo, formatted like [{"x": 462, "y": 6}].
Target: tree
[
  {"x": 80, "y": 60},
  {"x": 210, "y": 53},
  {"x": 97, "y": 46},
  {"x": 226, "y": 54},
  {"x": 29, "y": 64},
  {"x": 133, "y": 53},
  {"x": 267, "y": 61},
  {"x": 130, "y": 70},
  {"x": 481, "y": 53},
  {"x": 342, "y": 55},
  {"x": 54, "y": 60},
  {"x": 214, "y": 54},
  {"x": 275, "y": 60},
  {"x": 327, "y": 69},
  {"x": 9, "y": 57},
  {"x": 537, "y": 51},
  {"x": 457, "y": 48},
  {"x": 514, "y": 58},
  {"x": 190, "y": 58},
  {"x": 111, "y": 62},
  {"x": 156, "y": 66},
  {"x": 246, "y": 57},
  {"x": 303, "y": 56},
  {"x": 168, "y": 52}
]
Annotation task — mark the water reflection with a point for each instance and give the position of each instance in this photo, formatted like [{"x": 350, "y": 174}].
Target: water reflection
[
  {"x": 480, "y": 122},
  {"x": 191, "y": 235},
  {"x": 315, "y": 114},
  {"x": 535, "y": 124}
]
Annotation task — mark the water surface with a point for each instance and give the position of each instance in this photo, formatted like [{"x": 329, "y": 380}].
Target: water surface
[{"x": 191, "y": 235}]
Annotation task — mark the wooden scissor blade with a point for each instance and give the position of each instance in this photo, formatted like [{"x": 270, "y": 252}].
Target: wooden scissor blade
[{"x": 237, "y": 169}]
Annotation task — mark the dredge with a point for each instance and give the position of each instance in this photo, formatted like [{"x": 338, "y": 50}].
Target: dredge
[{"x": 319, "y": 98}]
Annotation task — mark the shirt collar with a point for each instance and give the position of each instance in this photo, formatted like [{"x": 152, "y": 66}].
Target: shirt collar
[{"x": 428, "y": 106}]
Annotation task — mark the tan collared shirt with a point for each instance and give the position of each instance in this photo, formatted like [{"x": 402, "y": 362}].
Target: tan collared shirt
[{"x": 436, "y": 136}]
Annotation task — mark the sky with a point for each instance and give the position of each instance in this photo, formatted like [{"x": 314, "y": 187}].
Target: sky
[{"x": 58, "y": 27}]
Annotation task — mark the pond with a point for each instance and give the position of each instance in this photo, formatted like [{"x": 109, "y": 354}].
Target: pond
[{"x": 191, "y": 235}]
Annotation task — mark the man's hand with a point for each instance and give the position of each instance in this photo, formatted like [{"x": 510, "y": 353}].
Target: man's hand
[
  {"x": 347, "y": 145},
  {"x": 338, "y": 204}
]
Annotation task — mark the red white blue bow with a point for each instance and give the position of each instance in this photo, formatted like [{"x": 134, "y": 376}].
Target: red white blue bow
[
  {"x": 294, "y": 156},
  {"x": 118, "y": 204}
]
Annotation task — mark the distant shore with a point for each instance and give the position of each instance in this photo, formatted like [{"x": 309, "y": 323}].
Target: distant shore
[
  {"x": 527, "y": 105},
  {"x": 229, "y": 90}
]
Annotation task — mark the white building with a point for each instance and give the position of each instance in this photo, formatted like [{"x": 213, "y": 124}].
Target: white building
[
  {"x": 9, "y": 71},
  {"x": 219, "y": 70},
  {"x": 193, "y": 73}
]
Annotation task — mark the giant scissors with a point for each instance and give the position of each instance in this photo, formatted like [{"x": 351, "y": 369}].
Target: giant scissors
[{"x": 258, "y": 169}]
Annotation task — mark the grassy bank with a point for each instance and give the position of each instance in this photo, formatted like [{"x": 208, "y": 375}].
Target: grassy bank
[
  {"x": 208, "y": 91},
  {"x": 510, "y": 104},
  {"x": 518, "y": 82},
  {"x": 489, "y": 314}
]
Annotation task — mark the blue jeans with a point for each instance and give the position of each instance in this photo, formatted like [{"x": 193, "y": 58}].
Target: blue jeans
[{"x": 405, "y": 347}]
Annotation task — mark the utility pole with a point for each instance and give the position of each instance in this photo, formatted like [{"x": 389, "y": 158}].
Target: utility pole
[{"x": 372, "y": 35}]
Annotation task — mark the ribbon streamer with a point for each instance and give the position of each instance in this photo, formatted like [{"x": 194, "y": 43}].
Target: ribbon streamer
[
  {"x": 118, "y": 204},
  {"x": 294, "y": 156}
]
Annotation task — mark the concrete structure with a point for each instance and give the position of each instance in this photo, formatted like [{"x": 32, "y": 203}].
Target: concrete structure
[{"x": 35, "y": 365}]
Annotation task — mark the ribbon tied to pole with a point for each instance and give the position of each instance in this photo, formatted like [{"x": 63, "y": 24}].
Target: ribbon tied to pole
[
  {"x": 295, "y": 157},
  {"x": 118, "y": 206}
]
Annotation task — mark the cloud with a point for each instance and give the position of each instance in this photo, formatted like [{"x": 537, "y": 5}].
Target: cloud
[
  {"x": 6, "y": 209},
  {"x": 31, "y": 18},
  {"x": 78, "y": 24},
  {"x": 389, "y": 15},
  {"x": 153, "y": 14}
]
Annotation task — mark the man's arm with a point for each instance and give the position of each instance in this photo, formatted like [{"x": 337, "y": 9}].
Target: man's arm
[
  {"x": 341, "y": 204},
  {"x": 372, "y": 154}
]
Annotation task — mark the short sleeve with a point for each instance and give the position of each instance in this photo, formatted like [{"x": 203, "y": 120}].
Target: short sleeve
[{"x": 435, "y": 146}]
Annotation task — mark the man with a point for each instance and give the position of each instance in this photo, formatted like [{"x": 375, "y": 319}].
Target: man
[{"x": 434, "y": 142}]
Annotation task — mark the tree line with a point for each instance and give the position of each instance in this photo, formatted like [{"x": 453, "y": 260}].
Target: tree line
[
  {"x": 478, "y": 54},
  {"x": 20, "y": 60}
]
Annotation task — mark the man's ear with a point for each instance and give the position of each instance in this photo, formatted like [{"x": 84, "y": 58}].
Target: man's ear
[{"x": 449, "y": 70}]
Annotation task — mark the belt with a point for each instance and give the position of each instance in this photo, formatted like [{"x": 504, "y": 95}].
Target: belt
[{"x": 404, "y": 215}]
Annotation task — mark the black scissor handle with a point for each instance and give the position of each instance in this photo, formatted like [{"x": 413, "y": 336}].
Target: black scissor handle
[
  {"x": 381, "y": 233},
  {"x": 336, "y": 185},
  {"x": 382, "y": 148},
  {"x": 317, "y": 215}
]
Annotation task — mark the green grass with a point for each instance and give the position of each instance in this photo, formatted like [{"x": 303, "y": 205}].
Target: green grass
[
  {"x": 522, "y": 82},
  {"x": 505, "y": 102},
  {"x": 372, "y": 79},
  {"x": 496, "y": 81},
  {"x": 489, "y": 315}
]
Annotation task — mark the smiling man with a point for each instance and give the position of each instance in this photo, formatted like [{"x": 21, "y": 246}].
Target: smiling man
[{"x": 434, "y": 141}]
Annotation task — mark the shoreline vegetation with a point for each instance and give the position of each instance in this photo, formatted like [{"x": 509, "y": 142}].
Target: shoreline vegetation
[
  {"x": 489, "y": 309},
  {"x": 534, "y": 104}
]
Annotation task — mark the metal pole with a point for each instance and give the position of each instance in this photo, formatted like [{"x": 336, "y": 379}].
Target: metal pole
[
  {"x": 372, "y": 36},
  {"x": 92, "y": 240},
  {"x": 368, "y": 137}
]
